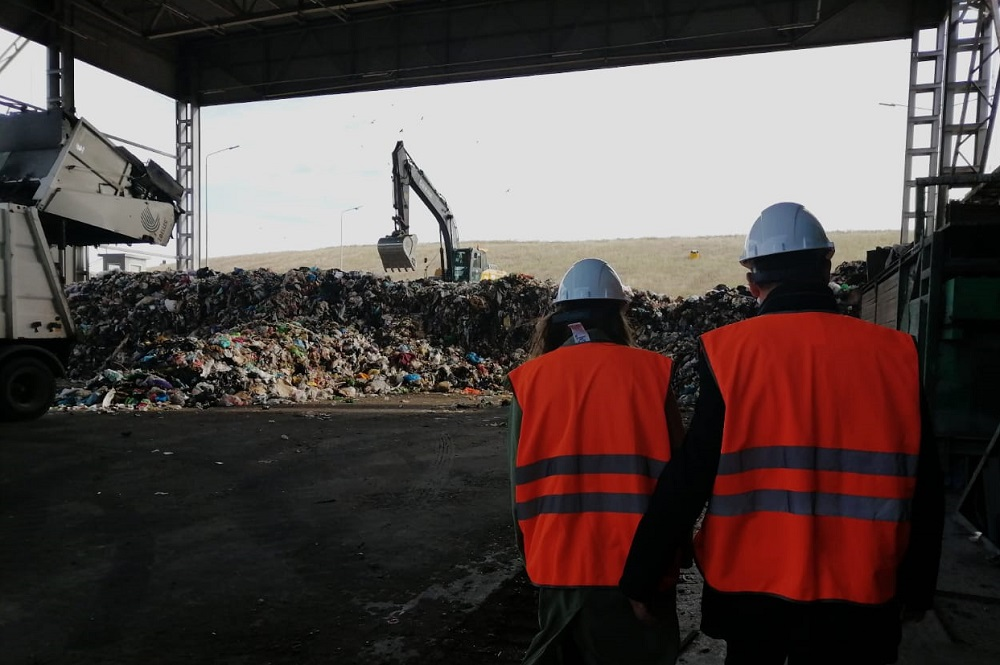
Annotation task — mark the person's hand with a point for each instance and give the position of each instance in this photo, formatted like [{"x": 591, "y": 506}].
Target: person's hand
[{"x": 642, "y": 613}]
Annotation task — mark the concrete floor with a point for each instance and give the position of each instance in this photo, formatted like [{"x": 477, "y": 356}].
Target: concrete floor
[
  {"x": 376, "y": 532},
  {"x": 346, "y": 533}
]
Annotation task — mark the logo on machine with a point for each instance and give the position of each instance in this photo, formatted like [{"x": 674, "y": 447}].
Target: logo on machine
[{"x": 149, "y": 222}]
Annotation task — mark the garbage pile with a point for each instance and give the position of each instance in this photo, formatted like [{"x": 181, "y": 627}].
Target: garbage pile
[
  {"x": 846, "y": 282},
  {"x": 673, "y": 327},
  {"x": 257, "y": 337},
  {"x": 852, "y": 274}
]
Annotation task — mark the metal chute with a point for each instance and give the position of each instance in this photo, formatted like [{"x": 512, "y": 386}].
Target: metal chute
[
  {"x": 87, "y": 191},
  {"x": 396, "y": 251}
]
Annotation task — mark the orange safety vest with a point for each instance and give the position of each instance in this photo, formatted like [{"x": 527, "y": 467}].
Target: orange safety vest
[
  {"x": 819, "y": 457},
  {"x": 593, "y": 441}
]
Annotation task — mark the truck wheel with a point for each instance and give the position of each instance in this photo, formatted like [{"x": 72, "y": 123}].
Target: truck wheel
[{"x": 27, "y": 389}]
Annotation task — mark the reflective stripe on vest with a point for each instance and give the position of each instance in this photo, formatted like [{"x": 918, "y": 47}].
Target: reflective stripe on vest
[
  {"x": 819, "y": 457},
  {"x": 593, "y": 441},
  {"x": 583, "y": 464},
  {"x": 549, "y": 499}
]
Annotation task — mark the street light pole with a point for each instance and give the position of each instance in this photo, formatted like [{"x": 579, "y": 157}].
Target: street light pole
[
  {"x": 342, "y": 233},
  {"x": 205, "y": 225}
]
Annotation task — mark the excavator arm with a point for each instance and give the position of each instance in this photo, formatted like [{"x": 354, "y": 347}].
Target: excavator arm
[{"x": 396, "y": 250}]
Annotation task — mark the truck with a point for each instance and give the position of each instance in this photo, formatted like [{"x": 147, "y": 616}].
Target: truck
[
  {"x": 458, "y": 264},
  {"x": 63, "y": 185}
]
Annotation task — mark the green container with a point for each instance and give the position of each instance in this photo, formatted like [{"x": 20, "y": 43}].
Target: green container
[
  {"x": 972, "y": 299},
  {"x": 966, "y": 383}
]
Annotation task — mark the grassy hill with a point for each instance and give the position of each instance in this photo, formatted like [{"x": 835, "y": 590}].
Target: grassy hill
[{"x": 661, "y": 265}]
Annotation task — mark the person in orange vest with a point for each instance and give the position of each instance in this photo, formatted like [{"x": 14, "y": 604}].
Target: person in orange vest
[
  {"x": 812, "y": 446},
  {"x": 591, "y": 425}
]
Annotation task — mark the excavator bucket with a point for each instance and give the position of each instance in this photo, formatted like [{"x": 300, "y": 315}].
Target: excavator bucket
[{"x": 396, "y": 252}]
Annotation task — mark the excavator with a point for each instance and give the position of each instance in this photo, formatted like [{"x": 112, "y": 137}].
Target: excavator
[{"x": 458, "y": 264}]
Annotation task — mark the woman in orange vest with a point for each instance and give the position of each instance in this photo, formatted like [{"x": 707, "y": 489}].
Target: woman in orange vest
[
  {"x": 811, "y": 444},
  {"x": 591, "y": 426}
]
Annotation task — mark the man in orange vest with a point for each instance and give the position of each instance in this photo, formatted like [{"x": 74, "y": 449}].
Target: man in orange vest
[
  {"x": 591, "y": 425},
  {"x": 810, "y": 442}
]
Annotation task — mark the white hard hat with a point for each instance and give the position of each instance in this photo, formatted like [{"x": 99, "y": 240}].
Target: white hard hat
[
  {"x": 591, "y": 279},
  {"x": 783, "y": 228}
]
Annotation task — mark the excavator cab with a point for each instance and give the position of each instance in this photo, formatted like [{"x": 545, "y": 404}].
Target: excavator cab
[
  {"x": 469, "y": 264},
  {"x": 396, "y": 251}
]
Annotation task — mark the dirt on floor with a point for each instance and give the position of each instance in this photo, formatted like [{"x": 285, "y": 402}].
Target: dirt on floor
[{"x": 370, "y": 532}]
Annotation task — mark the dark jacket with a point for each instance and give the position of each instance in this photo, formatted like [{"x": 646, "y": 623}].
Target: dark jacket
[{"x": 686, "y": 484}]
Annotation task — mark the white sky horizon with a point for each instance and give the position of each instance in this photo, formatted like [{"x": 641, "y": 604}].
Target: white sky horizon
[{"x": 684, "y": 149}]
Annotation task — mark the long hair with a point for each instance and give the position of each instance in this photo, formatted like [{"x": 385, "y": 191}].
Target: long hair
[{"x": 552, "y": 330}]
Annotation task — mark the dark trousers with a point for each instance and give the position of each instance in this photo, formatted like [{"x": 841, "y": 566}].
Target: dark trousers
[
  {"x": 596, "y": 626},
  {"x": 764, "y": 629},
  {"x": 757, "y": 652}
]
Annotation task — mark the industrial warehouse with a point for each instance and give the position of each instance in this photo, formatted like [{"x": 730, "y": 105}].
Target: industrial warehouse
[{"x": 315, "y": 465}]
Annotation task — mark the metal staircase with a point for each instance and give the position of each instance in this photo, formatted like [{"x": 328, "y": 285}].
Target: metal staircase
[{"x": 950, "y": 109}]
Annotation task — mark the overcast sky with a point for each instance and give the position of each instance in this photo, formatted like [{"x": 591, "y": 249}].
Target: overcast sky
[{"x": 679, "y": 149}]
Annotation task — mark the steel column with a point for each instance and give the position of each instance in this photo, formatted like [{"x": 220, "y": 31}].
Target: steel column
[{"x": 190, "y": 252}]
